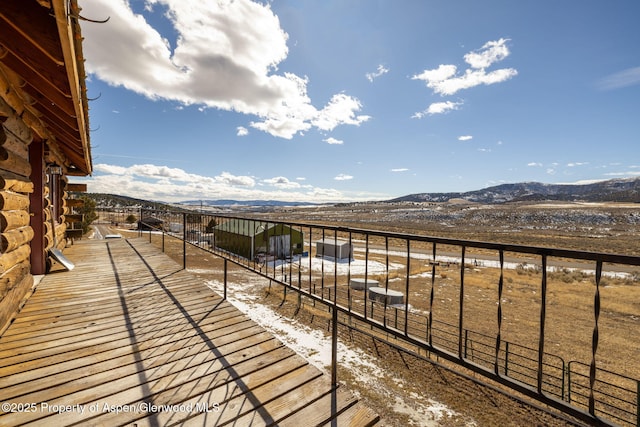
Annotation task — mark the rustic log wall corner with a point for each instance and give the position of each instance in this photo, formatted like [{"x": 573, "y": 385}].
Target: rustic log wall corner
[
  {"x": 43, "y": 120},
  {"x": 16, "y": 233}
]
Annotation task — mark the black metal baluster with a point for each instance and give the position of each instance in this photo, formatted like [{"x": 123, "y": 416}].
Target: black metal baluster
[
  {"x": 461, "y": 304},
  {"x": 543, "y": 314},
  {"x": 431, "y": 296},
  {"x": 594, "y": 344},
  {"x": 406, "y": 292},
  {"x": 496, "y": 366}
]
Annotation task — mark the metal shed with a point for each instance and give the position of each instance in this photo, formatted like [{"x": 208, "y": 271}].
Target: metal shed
[
  {"x": 332, "y": 248},
  {"x": 250, "y": 238}
]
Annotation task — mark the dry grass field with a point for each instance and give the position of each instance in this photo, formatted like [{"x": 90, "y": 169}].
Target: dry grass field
[{"x": 569, "y": 319}]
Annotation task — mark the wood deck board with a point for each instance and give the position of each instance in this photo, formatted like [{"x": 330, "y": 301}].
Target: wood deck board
[
  {"x": 77, "y": 327},
  {"x": 97, "y": 320},
  {"x": 30, "y": 320},
  {"x": 128, "y": 327}
]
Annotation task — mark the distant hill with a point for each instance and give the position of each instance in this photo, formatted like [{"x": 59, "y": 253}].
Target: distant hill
[
  {"x": 116, "y": 201},
  {"x": 614, "y": 190},
  {"x": 231, "y": 203}
]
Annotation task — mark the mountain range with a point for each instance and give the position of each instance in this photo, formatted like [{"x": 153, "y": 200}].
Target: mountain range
[{"x": 614, "y": 190}]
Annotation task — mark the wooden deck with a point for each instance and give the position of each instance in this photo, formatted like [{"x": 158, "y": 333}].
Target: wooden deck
[{"x": 129, "y": 338}]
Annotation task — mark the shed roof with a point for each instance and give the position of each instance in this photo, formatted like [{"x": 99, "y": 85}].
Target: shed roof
[
  {"x": 245, "y": 227},
  {"x": 333, "y": 242},
  {"x": 43, "y": 78}
]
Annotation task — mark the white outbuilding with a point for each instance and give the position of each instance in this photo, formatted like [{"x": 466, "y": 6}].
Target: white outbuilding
[{"x": 332, "y": 248}]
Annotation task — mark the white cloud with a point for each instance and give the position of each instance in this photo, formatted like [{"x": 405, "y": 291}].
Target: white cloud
[
  {"x": 532, "y": 164},
  {"x": 110, "y": 169},
  {"x": 333, "y": 141},
  {"x": 624, "y": 78},
  {"x": 465, "y": 138},
  {"x": 399, "y": 170},
  {"x": 226, "y": 178},
  {"x": 282, "y": 182},
  {"x": 379, "y": 71},
  {"x": 219, "y": 61},
  {"x": 343, "y": 177},
  {"x": 438, "y": 108},
  {"x": 445, "y": 80},
  {"x": 630, "y": 173},
  {"x": 341, "y": 109},
  {"x": 154, "y": 182},
  {"x": 442, "y": 73},
  {"x": 491, "y": 52},
  {"x": 242, "y": 131},
  {"x": 575, "y": 164}
]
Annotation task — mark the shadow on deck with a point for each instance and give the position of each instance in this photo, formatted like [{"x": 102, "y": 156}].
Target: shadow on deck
[{"x": 128, "y": 337}]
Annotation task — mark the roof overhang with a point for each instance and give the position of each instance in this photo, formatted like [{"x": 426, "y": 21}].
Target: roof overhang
[{"x": 42, "y": 71}]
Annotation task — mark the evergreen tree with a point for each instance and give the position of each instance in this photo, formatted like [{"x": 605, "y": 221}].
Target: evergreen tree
[{"x": 89, "y": 212}]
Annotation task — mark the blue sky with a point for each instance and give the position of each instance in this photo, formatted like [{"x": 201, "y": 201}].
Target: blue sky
[{"x": 348, "y": 100}]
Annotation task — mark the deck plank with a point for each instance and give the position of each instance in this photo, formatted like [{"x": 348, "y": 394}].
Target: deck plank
[{"x": 128, "y": 331}]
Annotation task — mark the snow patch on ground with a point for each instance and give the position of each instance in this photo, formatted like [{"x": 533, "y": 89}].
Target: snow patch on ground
[{"x": 315, "y": 347}]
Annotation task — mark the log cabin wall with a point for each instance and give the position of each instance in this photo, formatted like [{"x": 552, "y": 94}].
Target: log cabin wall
[
  {"x": 16, "y": 233},
  {"x": 45, "y": 122}
]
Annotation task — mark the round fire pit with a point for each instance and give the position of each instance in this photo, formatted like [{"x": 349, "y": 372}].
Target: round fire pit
[
  {"x": 361, "y": 284},
  {"x": 383, "y": 295}
]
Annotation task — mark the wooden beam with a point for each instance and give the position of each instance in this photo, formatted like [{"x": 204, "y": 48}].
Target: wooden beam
[
  {"x": 10, "y": 220},
  {"x": 70, "y": 41},
  {"x": 13, "y": 239},
  {"x": 15, "y": 164},
  {"x": 52, "y": 111},
  {"x": 10, "y": 201},
  {"x": 14, "y": 182},
  {"x": 35, "y": 27},
  {"x": 55, "y": 93},
  {"x": 9, "y": 259},
  {"x": 75, "y": 203},
  {"x": 76, "y": 187},
  {"x": 62, "y": 130},
  {"x": 31, "y": 57},
  {"x": 71, "y": 218}
]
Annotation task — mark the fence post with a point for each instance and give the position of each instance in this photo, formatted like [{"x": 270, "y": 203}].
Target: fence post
[
  {"x": 334, "y": 348},
  {"x": 284, "y": 293},
  {"x": 225, "y": 280},
  {"x": 396, "y": 316},
  {"x": 569, "y": 381},
  {"x": 466, "y": 342},
  {"x": 564, "y": 370},
  {"x": 184, "y": 240},
  {"x": 506, "y": 358}
]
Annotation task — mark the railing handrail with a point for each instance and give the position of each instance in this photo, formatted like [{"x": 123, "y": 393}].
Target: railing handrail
[
  {"x": 458, "y": 332},
  {"x": 506, "y": 247}
]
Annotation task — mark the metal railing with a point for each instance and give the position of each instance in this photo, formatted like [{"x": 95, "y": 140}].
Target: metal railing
[{"x": 411, "y": 273}]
